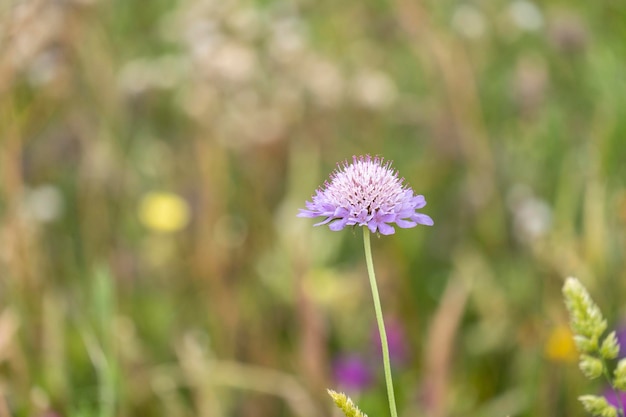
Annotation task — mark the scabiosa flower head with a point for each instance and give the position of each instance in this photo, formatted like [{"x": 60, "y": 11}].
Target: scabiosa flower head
[{"x": 369, "y": 193}]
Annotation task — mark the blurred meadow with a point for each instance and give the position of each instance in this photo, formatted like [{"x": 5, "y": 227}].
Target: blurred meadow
[{"x": 154, "y": 154}]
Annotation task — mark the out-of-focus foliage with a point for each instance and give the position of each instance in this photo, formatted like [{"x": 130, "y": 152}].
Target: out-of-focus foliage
[{"x": 153, "y": 155}]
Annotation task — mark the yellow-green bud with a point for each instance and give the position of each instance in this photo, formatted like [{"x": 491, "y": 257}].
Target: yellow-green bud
[
  {"x": 590, "y": 366},
  {"x": 609, "y": 348},
  {"x": 585, "y": 345},
  {"x": 585, "y": 316},
  {"x": 345, "y": 404},
  {"x": 620, "y": 375},
  {"x": 598, "y": 406}
]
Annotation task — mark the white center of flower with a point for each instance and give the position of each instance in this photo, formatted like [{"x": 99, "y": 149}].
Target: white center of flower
[{"x": 365, "y": 185}]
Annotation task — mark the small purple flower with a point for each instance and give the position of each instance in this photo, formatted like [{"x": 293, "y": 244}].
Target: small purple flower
[
  {"x": 369, "y": 193},
  {"x": 352, "y": 373},
  {"x": 612, "y": 397}
]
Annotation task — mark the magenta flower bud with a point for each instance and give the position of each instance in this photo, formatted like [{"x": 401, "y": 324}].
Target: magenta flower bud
[{"x": 352, "y": 373}]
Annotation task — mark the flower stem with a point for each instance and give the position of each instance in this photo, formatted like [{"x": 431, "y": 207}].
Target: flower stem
[
  {"x": 381, "y": 323},
  {"x": 621, "y": 411}
]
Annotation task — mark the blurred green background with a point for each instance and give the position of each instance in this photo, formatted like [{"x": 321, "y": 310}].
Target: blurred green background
[{"x": 153, "y": 155}]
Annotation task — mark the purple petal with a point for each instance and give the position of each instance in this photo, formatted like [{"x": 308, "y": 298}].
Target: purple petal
[
  {"x": 405, "y": 224},
  {"x": 419, "y": 201},
  {"x": 387, "y": 218},
  {"x": 337, "y": 225},
  {"x": 422, "y": 219},
  {"x": 385, "y": 229},
  {"x": 362, "y": 217},
  {"x": 341, "y": 212}
]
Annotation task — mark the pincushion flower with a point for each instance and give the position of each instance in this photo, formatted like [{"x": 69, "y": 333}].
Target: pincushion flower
[{"x": 369, "y": 193}]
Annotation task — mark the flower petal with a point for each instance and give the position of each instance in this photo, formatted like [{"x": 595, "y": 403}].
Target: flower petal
[
  {"x": 385, "y": 229},
  {"x": 421, "y": 218},
  {"x": 419, "y": 201},
  {"x": 337, "y": 225},
  {"x": 405, "y": 224},
  {"x": 307, "y": 213}
]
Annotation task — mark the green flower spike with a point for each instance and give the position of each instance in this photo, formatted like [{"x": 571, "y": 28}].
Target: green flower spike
[
  {"x": 588, "y": 326},
  {"x": 591, "y": 367},
  {"x": 585, "y": 316},
  {"x": 609, "y": 348},
  {"x": 598, "y": 406},
  {"x": 345, "y": 404},
  {"x": 620, "y": 375}
]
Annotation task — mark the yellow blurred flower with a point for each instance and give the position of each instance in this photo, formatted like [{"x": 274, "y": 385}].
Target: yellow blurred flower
[
  {"x": 560, "y": 345},
  {"x": 163, "y": 212}
]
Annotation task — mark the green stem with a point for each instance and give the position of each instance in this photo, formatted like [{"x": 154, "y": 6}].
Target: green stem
[
  {"x": 381, "y": 323},
  {"x": 622, "y": 410}
]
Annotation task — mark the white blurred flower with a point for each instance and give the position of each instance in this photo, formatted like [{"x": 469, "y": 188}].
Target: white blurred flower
[
  {"x": 323, "y": 80},
  {"x": 526, "y": 15},
  {"x": 203, "y": 38},
  {"x": 43, "y": 204},
  {"x": 468, "y": 21},
  {"x": 532, "y": 216},
  {"x": 234, "y": 61},
  {"x": 286, "y": 42},
  {"x": 373, "y": 89}
]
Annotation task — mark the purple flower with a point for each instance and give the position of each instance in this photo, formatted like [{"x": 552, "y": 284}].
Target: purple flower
[
  {"x": 611, "y": 397},
  {"x": 369, "y": 193},
  {"x": 352, "y": 373}
]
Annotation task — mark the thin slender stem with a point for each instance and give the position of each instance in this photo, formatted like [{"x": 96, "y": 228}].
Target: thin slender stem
[
  {"x": 381, "y": 323},
  {"x": 618, "y": 395}
]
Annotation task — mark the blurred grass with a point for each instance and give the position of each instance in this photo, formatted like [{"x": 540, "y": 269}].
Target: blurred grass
[{"x": 508, "y": 116}]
